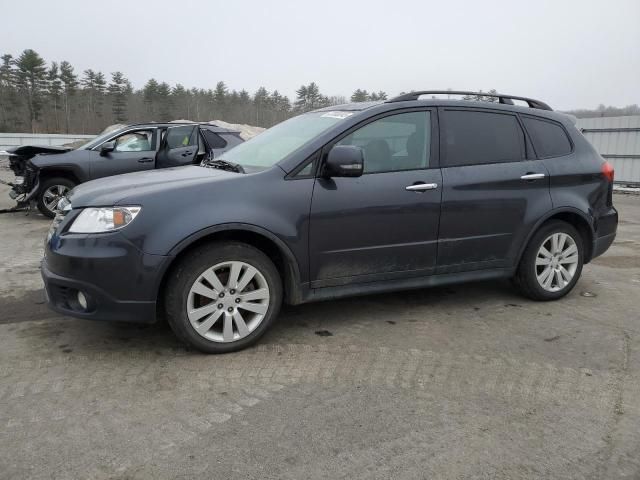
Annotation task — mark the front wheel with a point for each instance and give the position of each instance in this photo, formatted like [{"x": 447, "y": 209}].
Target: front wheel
[
  {"x": 552, "y": 262},
  {"x": 222, "y": 297},
  {"x": 51, "y": 192}
]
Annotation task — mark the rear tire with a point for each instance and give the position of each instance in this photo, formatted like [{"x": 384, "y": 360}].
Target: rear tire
[
  {"x": 223, "y": 297},
  {"x": 552, "y": 262},
  {"x": 51, "y": 191}
]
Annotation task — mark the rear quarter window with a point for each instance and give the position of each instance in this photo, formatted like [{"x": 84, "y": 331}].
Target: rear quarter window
[
  {"x": 214, "y": 140},
  {"x": 549, "y": 138}
]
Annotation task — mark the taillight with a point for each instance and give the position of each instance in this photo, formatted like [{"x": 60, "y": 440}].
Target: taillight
[{"x": 607, "y": 171}]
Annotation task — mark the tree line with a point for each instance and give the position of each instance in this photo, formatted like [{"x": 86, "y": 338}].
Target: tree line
[{"x": 54, "y": 98}]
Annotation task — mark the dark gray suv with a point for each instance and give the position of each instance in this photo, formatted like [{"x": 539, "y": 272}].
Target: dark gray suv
[
  {"x": 45, "y": 174},
  {"x": 347, "y": 200}
]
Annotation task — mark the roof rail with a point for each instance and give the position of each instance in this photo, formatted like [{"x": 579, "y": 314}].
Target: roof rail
[{"x": 502, "y": 98}]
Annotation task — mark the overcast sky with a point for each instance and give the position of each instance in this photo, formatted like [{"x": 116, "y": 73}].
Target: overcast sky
[{"x": 568, "y": 53}]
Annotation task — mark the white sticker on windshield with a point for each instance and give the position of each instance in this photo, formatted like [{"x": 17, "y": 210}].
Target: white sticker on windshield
[{"x": 337, "y": 114}]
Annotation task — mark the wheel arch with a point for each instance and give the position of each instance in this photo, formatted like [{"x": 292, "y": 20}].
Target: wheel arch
[
  {"x": 577, "y": 218},
  {"x": 53, "y": 172},
  {"x": 260, "y": 238}
]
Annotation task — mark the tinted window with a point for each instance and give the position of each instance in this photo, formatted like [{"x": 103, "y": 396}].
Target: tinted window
[
  {"x": 396, "y": 142},
  {"x": 182, "y": 137},
  {"x": 481, "y": 137},
  {"x": 214, "y": 140},
  {"x": 549, "y": 139}
]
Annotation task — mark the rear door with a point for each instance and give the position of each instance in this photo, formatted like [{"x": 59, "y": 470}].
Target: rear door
[
  {"x": 135, "y": 150},
  {"x": 494, "y": 190},
  {"x": 180, "y": 146}
]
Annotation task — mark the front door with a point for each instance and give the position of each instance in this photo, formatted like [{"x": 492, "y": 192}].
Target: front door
[
  {"x": 134, "y": 151},
  {"x": 494, "y": 190},
  {"x": 384, "y": 224}
]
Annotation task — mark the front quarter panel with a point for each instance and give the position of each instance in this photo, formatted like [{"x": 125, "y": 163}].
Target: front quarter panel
[
  {"x": 76, "y": 162},
  {"x": 264, "y": 200}
]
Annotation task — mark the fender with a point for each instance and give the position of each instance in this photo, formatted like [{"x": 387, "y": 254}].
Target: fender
[
  {"x": 546, "y": 217},
  {"x": 293, "y": 284},
  {"x": 75, "y": 170}
]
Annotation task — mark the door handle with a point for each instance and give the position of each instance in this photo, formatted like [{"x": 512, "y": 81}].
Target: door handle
[
  {"x": 421, "y": 187},
  {"x": 145, "y": 160},
  {"x": 532, "y": 176},
  {"x": 186, "y": 154}
]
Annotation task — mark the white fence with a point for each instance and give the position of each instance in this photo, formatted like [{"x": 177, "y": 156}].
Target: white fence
[{"x": 8, "y": 140}]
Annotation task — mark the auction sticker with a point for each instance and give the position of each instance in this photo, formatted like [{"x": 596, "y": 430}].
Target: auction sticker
[{"x": 337, "y": 114}]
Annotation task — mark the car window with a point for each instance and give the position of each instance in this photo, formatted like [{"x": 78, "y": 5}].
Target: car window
[
  {"x": 393, "y": 143},
  {"x": 178, "y": 137},
  {"x": 549, "y": 139},
  {"x": 474, "y": 137},
  {"x": 214, "y": 140},
  {"x": 138, "y": 141}
]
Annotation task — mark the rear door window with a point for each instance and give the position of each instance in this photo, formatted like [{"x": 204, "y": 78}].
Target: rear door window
[
  {"x": 477, "y": 137},
  {"x": 178, "y": 137},
  {"x": 549, "y": 138}
]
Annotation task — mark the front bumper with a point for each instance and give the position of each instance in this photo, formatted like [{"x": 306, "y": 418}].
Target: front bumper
[{"x": 118, "y": 281}]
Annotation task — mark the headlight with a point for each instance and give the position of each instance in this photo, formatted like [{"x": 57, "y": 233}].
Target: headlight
[{"x": 105, "y": 219}]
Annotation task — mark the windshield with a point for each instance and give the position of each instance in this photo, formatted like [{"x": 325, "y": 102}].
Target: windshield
[
  {"x": 97, "y": 140},
  {"x": 271, "y": 146}
]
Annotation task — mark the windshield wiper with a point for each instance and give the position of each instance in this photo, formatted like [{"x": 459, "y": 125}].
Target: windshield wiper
[{"x": 223, "y": 165}]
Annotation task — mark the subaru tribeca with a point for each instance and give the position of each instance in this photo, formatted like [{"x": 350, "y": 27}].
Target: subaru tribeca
[{"x": 345, "y": 200}]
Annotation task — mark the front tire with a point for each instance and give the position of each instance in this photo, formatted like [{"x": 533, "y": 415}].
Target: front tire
[
  {"x": 552, "y": 262},
  {"x": 51, "y": 191},
  {"x": 223, "y": 297}
]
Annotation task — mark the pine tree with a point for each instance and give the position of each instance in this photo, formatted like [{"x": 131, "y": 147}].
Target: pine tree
[
  {"x": 165, "y": 103},
  {"x": 360, "y": 96},
  {"x": 220, "y": 100},
  {"x": 10, "y": 115},
  {"x": 150, "y": 93},
  {"x": 119, "y": 89},
  {"x": 54, "y": 90},
  {"x": 31, "y": 77},
  {"x": 69, "y": 86}
]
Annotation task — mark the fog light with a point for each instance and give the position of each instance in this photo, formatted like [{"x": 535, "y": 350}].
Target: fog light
[{"x": 82, "y": 300}]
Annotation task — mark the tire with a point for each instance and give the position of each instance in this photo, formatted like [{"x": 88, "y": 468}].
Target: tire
[
  {"x": 533, "y": 274},
  {"x": 236, "y": 324},
  {"x": 56, "y": 185}
]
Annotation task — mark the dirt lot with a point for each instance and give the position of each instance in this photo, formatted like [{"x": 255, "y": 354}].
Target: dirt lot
[{"x": 470, "y": 381}]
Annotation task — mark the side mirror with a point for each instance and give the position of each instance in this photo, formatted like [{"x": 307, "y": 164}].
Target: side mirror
[
  {"x": 107, "y": 147},
  {"x": 344, "y": 161}
]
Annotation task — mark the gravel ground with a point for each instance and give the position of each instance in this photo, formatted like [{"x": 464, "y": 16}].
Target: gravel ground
[{"x": 469, "y": 381}]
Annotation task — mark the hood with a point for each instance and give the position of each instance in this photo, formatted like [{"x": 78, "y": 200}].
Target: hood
[
  {"x": 66, "y": 157},
  {"x": 133, "y": 187},
  {"x": 28, "y": 151}
]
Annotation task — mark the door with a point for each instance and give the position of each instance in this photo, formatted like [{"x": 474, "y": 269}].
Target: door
[
  {"x": 179, "y": 146},
  {"x": 134, "y": 150},
  {"x": 494, "y": 190},
  {"x": 384, "y": 224}
]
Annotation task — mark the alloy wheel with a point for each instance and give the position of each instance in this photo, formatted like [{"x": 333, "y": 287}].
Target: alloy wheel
[
  {"x": 53, "y": 195},
  {"x": 228, "y": 301},
  {"x": 556, "y": 262}
]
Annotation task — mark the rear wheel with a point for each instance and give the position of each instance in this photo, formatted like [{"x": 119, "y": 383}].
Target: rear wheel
[
  {"x": 223, "y": 297},
  {"x": 51, "y": 192},
  {"x": 552, "y": 262}
]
